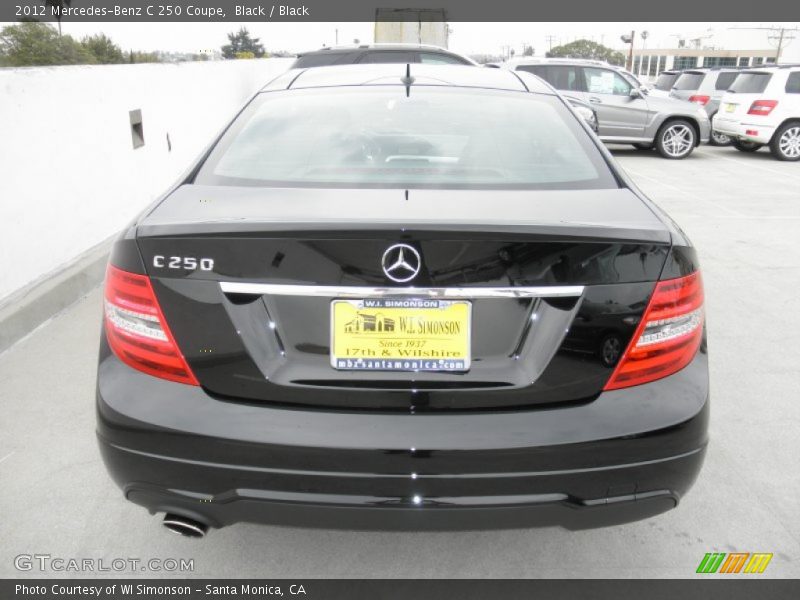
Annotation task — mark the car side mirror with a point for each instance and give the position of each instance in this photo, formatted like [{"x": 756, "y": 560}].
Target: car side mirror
[{"x": 636, "y": 93}]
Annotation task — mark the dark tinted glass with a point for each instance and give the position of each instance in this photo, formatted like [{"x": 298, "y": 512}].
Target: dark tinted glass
[
  {"x": 725, "y": 80},
  {"x": 389, "y": 57},
  {"x": 750, "y": 83},
  {"x": 793, "y": 83},
  {"x": 323, "y": 59},
  {"x": 689, "y": 81},
  {"x": 561, "y": 77},
  {"x": 665, "y": 81}
]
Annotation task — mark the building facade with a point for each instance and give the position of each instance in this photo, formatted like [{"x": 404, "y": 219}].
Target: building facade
[{"x": 649, "y": 62}]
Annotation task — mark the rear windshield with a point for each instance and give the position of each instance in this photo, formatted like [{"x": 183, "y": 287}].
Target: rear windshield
[
  {"x": 322, "y": 59},
  {"x": 432, "y": 137},
  {"x": 665, "y": 81},
  {"x": 689, "y": 81},
  {"x": 725, "y": 80},
  {"x": 750, "y": 83}
]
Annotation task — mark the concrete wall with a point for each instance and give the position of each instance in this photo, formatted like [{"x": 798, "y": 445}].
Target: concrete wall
[{"x": 69, "y": 175}]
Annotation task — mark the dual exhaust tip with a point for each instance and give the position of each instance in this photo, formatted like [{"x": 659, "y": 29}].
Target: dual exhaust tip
[{"x": 185, "y": 526}]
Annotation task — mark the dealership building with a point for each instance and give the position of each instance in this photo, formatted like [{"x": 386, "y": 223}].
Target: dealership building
[{"x": 649, "y": 62}]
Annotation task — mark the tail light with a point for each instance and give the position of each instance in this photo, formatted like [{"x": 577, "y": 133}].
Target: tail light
[
  {"x": 668, "y": 335},
  {"x": 762, "y": 107},
  {"x": 701, "y": 100},
  {"x": 137, "y": 331}
]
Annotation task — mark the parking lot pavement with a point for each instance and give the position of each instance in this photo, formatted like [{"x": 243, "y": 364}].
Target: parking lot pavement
[{"x": 743, "y": 213}]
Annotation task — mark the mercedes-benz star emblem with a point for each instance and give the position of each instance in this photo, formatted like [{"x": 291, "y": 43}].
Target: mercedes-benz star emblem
[{"x": 401, "y": 263}]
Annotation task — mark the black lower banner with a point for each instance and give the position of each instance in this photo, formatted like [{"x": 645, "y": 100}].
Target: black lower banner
[{"x": 405, "y": 589}]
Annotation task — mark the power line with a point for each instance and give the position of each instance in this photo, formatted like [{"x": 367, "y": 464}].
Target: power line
[{"x": 778, "y": 33}]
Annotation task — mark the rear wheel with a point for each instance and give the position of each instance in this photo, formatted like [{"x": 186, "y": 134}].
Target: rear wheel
[
  {"x": 785, "y": 144},
  {"x": 676, "y": 139},
  {"x": 643, "y": 146},
  {"x": 744, "y": 146}
]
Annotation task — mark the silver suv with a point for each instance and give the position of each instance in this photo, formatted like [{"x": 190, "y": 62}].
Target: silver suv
[
  {"x": 626, "y": 114},
  {"x": 705, "y": 87}
]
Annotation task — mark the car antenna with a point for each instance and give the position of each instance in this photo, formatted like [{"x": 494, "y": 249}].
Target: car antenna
[{"x": 407, "y": 80}]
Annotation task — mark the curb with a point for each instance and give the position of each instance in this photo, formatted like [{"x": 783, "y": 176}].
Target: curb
[{"x": 36, "y": 303}]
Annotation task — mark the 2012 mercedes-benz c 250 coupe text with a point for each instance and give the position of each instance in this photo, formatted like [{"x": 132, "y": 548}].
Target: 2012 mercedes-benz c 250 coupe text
[{"x": 404, "y": 296}]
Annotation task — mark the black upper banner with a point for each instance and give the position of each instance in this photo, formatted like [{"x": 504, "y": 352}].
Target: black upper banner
[{"x": 151, "y": 11}]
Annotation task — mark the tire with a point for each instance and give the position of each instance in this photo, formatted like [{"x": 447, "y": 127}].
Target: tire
[
  {"x": 643, "y": 146},
  {"x": 743, "y": 146},
  {"x": 676, "y": 139},
  {"x": 785, "y": 144}
]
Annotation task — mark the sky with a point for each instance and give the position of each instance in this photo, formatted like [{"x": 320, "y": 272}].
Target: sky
[{"x": 466, "y": 38}]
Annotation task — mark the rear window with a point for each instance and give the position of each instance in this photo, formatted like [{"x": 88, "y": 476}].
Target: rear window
[
  {"x": 665, "y": 81},
  {"x": 750, "y": 83},
  {"x": 725, "y": 80},
  {"x": 389, "y": 57},
  {"x": 434, "y": 137},
  {"x": 793, "y": 83},
  {"x": 324, "y": 59},
  {"x": 689, "y": 81},
  {"x": 432, "y": 58}
]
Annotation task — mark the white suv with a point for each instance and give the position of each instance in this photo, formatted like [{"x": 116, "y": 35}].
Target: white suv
[{"x": 763, "y": 107}]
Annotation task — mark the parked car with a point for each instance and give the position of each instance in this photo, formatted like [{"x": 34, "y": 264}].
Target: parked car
[
  {"x": 706, "y": 88},
  {"x": 626, "y": 114},
  {"x": 356, "y": 311},
  {"x": 762, "y": 107},
  {"x": 380, "y": 53},
  {"x": 664, "y": 82},
  {"x": 586, "y": 112}
]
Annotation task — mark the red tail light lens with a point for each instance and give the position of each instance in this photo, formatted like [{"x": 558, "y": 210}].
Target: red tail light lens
[
  {"x": 667, "y": 337},
  {"x": 137, "y": 331},
  {"x": 762, "y": 107},
  {"x": 701, "y": 100}
]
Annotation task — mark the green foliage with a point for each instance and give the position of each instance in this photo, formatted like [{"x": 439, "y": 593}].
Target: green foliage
[
  {"x": 587, "y": 49},
  {"x": 143, "y": 57},
  {"x": 33, "y": 44},
  {"x": 242, "y": 42},
  {"x": 528, "y": 51},
  {"x": 105, "y": 51}
]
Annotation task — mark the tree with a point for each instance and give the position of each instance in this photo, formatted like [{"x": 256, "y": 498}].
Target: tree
[
  {"x": 587, "y": 49},
  {"x": 32, "y": 43},
  {"x": 528, "y": 51},
  {"x": 103, "y": 48},
  {"x": 58, "y": 6},
  {"x": 241, "y": 42}
]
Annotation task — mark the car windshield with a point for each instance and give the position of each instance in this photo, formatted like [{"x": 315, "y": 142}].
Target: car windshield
[
  {"x": 750, "y": 83},
  {"x": 665, "y": 81},
  {"x": 688, "y": 81},
  {"x": 428, "y": 136}
]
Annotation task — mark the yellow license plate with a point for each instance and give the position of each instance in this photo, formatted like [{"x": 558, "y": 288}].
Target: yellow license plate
[
  {"x": 730, "y": 107},
  {"x": 400, "y": 334}
]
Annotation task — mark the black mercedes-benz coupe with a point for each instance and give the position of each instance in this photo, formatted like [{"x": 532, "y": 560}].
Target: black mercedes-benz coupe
[{"x": 403, "y": 296}]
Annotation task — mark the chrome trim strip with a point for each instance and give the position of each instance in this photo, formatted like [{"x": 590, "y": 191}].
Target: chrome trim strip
[{"x": 337, "y": 291}]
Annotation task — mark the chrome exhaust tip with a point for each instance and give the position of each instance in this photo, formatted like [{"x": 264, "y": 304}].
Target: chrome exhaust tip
[{"x": 185, "y": 526}]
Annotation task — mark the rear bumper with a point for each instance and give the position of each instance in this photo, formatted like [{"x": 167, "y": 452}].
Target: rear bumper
[
  {"x": 627, "y": 455},
  {"x": 739, "y": 130}
]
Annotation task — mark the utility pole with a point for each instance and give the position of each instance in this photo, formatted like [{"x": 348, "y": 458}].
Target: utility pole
[
  {"x": 777, "y": 32},
  {"x": 550, "y": 39},
  {"x": 628, "y": 39}
]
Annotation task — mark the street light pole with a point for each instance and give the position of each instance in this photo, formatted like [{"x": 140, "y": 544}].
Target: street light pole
[{"x": 630, "y": 52}]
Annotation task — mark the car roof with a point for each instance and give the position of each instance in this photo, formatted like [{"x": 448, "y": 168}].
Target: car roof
[
  {"x": 395, "y": 73},
  {"x": 346, "y": 49}
]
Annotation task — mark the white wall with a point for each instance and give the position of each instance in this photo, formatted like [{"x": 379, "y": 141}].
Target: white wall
[{"x": 69, "y": 176}]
